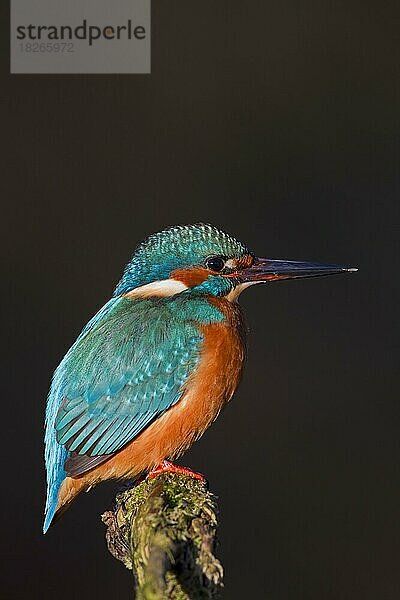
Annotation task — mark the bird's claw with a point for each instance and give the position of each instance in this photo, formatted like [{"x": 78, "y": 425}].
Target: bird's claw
[{"x": 168, "y": 467}]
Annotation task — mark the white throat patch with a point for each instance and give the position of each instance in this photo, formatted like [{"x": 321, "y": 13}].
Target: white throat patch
[{"x": 235, "y": 293}]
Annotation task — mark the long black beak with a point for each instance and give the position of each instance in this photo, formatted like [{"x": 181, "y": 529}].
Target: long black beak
[{"x": 265, "y": 269}]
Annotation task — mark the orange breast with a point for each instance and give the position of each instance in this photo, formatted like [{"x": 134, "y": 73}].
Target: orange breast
[{"x": 206, "y": 392}]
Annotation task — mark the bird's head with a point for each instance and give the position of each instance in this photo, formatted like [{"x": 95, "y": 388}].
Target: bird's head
[{"x": 206, "y": 260}]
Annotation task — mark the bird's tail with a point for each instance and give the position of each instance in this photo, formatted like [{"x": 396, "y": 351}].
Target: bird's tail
[
  {"x": 51, "y": 504},
  {"x": 55, "y": 456},
  {"x": 55, "y": 477},
  {"x": 66, "y": 493}
]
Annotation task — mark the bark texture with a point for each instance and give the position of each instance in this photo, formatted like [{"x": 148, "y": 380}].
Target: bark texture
[{"x": 164, "y": 530}]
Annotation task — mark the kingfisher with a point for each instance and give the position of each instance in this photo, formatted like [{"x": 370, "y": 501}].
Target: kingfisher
[{"x": 153, "y": 368}]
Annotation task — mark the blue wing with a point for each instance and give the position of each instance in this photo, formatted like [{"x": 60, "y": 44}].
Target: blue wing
[{"x": 128, "y": 366}]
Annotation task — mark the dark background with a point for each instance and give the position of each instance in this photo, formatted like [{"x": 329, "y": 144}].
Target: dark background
[{"x": 279, "y": 122}]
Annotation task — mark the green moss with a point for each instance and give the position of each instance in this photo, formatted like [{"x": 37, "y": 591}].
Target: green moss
[{"x": 166, "y": 529}]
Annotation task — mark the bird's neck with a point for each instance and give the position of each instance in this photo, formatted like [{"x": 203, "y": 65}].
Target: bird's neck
[
  {"x": 189, "y": 305},
  {"x": 208, "y": 310}
]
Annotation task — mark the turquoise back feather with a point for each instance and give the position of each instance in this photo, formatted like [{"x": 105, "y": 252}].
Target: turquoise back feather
[{"x": 55, "y": 454}]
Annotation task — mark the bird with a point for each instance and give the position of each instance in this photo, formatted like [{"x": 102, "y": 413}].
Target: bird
[{"x": 151, "y": 371}]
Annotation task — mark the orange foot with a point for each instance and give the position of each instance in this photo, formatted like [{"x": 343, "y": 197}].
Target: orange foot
[{"x": 168, "y": 467}]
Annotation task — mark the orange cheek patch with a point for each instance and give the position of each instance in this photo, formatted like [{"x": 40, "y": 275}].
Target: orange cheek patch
[{"x": 190, "y": 277}]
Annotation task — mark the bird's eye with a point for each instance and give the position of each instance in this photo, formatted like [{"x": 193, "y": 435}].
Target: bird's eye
[{"x": 215, "y": 263}]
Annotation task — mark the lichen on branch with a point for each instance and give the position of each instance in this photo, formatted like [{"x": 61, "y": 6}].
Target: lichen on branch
[{"x": 164, "y": 529}]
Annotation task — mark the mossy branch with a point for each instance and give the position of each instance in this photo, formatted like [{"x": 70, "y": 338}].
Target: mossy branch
[{"x": 164, "y": 530}]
